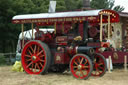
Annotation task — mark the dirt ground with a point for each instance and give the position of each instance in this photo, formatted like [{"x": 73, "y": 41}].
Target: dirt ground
[{"x": 8, "y": 77}]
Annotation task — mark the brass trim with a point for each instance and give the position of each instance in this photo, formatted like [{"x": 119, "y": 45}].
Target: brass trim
[
  {"x": 101, "y": 25},
  {"x": 32, "y": 31},
  {"x": 22, "y": 29}
]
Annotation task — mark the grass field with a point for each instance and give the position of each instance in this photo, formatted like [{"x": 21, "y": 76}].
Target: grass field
[{"x": 8, "y": 77}]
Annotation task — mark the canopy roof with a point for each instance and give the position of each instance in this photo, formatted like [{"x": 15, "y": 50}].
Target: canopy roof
[
  {"x": 61, "y": 16},
  {"x": 123, "y": 14}
]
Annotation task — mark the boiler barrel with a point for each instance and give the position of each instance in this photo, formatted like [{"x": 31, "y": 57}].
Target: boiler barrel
[{"x": 86, "y": 50}]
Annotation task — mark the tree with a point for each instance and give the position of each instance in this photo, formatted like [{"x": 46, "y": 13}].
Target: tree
[
  {"x": 118, "y": 8},
  {"x": 7, "y": 29},
  {"x": 72, "y": 5},
  {"x": 105, "y": 4},
  {"x": 99, "y": 4},
  {"x": 60, "y": 6},
  {"x": 40, "y": 6}
]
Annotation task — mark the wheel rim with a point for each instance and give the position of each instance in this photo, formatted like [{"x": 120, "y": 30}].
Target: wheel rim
[
  {"x": 33, "y": 58},
  {"x": 99, "y": 66},
  {"x": 80, "y": 67}
]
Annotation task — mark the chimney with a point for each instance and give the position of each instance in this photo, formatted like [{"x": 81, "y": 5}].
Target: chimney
[{"x": 86, "y": 5}]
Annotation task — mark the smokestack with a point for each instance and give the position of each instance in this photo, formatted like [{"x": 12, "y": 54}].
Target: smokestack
[
  {"x": 86, "y": 5},
  {"x": 85, "y": 30}
]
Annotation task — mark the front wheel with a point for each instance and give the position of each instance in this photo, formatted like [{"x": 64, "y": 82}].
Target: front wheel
[{"x": 81, "y": 66}]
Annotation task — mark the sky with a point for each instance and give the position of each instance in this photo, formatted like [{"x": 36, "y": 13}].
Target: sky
[{"x": 122, "y": 3}]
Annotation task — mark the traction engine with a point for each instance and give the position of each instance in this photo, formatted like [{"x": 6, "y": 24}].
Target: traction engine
[
  {"x": 74, "y": 44},
  {"x": 60, "y": 51}
]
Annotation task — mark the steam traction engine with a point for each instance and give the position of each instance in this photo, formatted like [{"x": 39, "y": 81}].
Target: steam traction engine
[{"x": 70, "y": 45}]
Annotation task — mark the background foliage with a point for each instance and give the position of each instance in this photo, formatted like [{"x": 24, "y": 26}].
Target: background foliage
[{"x": 9, "y": 8}]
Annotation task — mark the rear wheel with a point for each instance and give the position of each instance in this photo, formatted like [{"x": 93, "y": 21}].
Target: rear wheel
[
  {"x": 36, "y": 57},
  {"x": 100, "y": 65},
  {"x": 81, "y": 66}
]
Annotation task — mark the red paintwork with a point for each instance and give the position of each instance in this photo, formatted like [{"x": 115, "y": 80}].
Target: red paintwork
[
  {"x": 48, "y": 37},
  {"x": 106, "y": 54},
  {"x": 98, "y": 44},
  {"x": 121, "y": 55},
  {"x": 63, "y": 58},
  {"x": 46, "y": 21}
]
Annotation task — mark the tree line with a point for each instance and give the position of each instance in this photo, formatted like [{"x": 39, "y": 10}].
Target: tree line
[{"x": 8, "y": 8}]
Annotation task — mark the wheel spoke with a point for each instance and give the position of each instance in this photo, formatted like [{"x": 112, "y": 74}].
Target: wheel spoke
[
  {"x": 29, "y": 59},
  {"x": 35, "y": 67},
  {"x": 29, "y": 52},
  {"x": 35, "y": 49},
  {"x": 29, "y": 64},
  {"x": 39, "y": 52},
  {"x": 85, "y": 66},
  {"x": 101, "y": 67},
  {"x": 100, "y": 64},
  {"x": 76, "y": 70},
  {"x": 32, "y": 66},
  {"x": 42, "y": 60},
  {"x": 79, "y": 74},
  {"x": 31, "y": 48},
  {"x": 42, "y": 56},
  {"x": 81, "y": 60},
  {"x": 28, "y": 56},
  {"x": 85, "y": 62},
  {"x": 38, "y": 66},
  {"x": 76, "y": 63},
  {"x": 74, "y": 66},
  {"x": 41, "y": 64},
  {"x": 97, "y": 71},
  {"x": 82, "y": 72}
]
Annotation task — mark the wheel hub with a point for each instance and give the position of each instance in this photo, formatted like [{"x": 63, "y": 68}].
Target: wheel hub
[
  {"x": 79, "y": 67},
  {"x": 34, "y": 58}
]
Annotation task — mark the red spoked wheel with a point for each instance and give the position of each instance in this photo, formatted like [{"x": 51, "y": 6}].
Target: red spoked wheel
[
  {"x": 81, "y": 66},
  {"x": 35, "y": 57},
  {"x": 100, "y": 65}
]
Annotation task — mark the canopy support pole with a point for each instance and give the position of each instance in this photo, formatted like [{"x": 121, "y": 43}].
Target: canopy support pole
[
  {"x": 101, "y": 27},
  {"x": 62, "y": 27},
  {"x": 22, "y": 29},
  {"x": 109, "y": 26},
  {"x": 55, "y": 28},
  {"x": 32, "y": 31}
]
